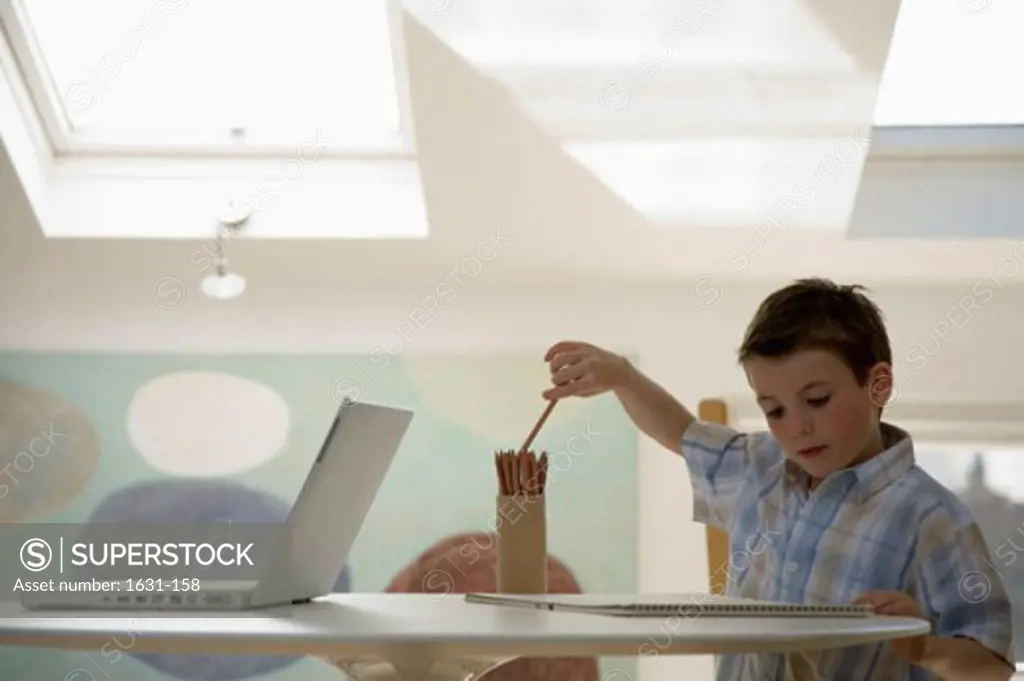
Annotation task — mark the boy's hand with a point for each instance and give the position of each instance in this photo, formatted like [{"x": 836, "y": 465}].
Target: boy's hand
[
  {"x": 583, "y": 370},
  {"x": 896, "y": 603}
]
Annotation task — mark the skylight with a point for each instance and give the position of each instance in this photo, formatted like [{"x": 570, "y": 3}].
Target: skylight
[
  {"x": 954, "y": 62},
  {"x": 180, "y": 72},
  {"x": 496, "y": 33},
  {"x": 731, "y": 182}
]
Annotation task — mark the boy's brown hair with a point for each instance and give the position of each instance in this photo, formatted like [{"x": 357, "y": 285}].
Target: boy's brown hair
[{"x": 817, "y": 314}]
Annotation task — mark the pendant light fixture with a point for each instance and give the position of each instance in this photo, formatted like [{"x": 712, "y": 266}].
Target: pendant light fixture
[{"x": 224, "y": 284}]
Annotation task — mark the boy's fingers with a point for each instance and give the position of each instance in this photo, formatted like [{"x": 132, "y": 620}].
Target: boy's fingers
[
  {"x": 876, "y": 599},
  {"x": 565, "y": 358},
  {"x": 888, "y": 603},
  {"x": 569, "y": 372},
  {"x": 576, "y": 382},
  {"x": 878, "y": 596},
  {"x": 562, "y": 346},
  {"x": 559, "y": 391}
]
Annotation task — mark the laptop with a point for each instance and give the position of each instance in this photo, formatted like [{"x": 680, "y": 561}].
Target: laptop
[{"x": 319, "y": 532}]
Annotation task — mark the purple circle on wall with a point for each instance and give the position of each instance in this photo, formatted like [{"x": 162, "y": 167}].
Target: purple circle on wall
[{"x": 187, "y": 502}]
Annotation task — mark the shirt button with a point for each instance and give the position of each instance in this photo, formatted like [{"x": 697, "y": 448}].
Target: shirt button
[{"x": 793, "y": 567}]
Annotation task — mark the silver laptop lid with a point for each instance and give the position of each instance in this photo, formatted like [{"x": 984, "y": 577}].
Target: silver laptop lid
[{"x": 334, "y": 501}]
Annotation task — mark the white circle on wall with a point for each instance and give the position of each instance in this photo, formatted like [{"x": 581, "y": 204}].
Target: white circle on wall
[
  {"x": 207, "y": 423},
  {"x": 494, "y": 396}
]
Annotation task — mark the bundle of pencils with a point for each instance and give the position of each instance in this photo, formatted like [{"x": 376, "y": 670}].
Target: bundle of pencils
[
  {"x": 521, "y": 473},
  {"x": 521, "y": 525}
]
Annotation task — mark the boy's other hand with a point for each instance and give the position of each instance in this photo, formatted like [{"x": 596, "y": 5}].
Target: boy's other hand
[
  {"x": 582, "y": 370},
  {"x": 896, "y": 603}
]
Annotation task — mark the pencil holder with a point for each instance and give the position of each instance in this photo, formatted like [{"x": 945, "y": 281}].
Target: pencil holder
[
  {"x": 522, "y": 544},
  {"x": 521, "y": 523}
]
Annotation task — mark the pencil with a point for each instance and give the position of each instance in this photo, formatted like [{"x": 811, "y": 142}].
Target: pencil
[
  {"x": 530, "y": 474},
  {"x": 502, "y": 484},
  {"x": 538, "y": 425},
  {"x": 543, "y": 472},
  {"x": 506, "y": 460}
]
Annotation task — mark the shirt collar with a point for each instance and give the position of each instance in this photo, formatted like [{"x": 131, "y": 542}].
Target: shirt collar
[{"x": 873, "y": 475}]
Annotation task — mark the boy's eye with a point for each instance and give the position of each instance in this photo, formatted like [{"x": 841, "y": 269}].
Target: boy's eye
[
  {"x": 774, "y": 413},
  {"x": 819, "y": 401}
]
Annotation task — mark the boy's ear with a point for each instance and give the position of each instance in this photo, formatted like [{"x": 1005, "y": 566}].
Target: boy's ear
[{"x": 882, "y": 385}]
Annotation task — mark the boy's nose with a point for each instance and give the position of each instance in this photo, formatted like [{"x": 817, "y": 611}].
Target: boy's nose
[{"x": 805, "y": 427}]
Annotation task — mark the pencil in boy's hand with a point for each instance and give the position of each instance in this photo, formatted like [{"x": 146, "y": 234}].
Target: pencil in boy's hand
[{"x": 537, "y": 426}]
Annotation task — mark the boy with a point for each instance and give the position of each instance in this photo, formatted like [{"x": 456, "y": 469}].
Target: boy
[{"x": 850, "y": 516}]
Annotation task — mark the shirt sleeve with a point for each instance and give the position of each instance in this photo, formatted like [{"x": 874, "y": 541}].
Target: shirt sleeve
[
  {"x": 965, "y": 592},
  {"x": 719, "y": 459}
]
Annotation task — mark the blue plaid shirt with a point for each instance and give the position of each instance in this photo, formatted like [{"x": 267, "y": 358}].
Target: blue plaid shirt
[{"x": 884, "y": 525}]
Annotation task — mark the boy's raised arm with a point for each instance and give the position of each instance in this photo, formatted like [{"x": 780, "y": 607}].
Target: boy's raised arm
[
  {"x": 583, "y": 370},
  {"x": 718, "y": 457},
  {"x": 654, "y": 411}
]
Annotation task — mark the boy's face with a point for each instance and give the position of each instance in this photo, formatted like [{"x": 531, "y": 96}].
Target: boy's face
[{"x": 823, "y": 418}]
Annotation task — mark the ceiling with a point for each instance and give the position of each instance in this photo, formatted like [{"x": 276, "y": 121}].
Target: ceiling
[
  {"x": 711, "y": 113},
  {"x": 699, "y": 129}
]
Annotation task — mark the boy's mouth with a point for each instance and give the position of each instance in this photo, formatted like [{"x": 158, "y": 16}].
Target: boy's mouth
[{"x": 811, "y": 452}]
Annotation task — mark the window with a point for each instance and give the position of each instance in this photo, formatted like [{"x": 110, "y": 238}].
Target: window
[
  {"x": 181, "y": 73},
  {"x": 954, "y": 63},
  {"x": 991, "y": 482},
  {"x": 731, "y": 182}
]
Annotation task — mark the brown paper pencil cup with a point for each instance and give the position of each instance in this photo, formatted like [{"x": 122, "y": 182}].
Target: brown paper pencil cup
[
  {"x": 522, "y": 545},
  {"x": 521, "y": 523}
]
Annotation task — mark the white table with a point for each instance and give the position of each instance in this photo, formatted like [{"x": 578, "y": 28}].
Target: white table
[{"x": 422, "y": 636}]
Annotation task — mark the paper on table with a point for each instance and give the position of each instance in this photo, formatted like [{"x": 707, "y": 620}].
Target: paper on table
[{"x": 689, "y": 604}]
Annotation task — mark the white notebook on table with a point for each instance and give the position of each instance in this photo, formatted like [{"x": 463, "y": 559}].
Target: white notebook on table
[{"x": 664, "y": 605}]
